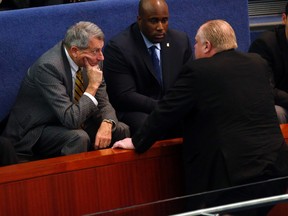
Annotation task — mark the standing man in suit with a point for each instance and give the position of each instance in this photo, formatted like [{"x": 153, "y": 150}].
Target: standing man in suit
[
  {"x": 273, "y": 46},
  {"x": 133, "y": 84},
  {"x": 231, "y": 133},
  {"x": 48, "y": 119}
]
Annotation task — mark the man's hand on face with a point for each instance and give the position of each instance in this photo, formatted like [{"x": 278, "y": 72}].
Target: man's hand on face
[{"x": 95, "y": 76}]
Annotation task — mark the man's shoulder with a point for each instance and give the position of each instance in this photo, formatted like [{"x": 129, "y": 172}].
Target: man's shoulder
[
  {"x": 128, "y": 39},
  {"x": 179, "y": 38},
  {"x": 272, "y": 35},
  {"x": 125, "y": 34},
  {"x": 267, "y": 36},
  {"x": 269, "y": 40},
  {"x": 52, "y": 56}
]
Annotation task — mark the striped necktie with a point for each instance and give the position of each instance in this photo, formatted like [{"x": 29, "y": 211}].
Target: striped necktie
[{"x": 79, "y": 87}]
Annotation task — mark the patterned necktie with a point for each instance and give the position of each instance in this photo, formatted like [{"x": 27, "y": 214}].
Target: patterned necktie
[
  {"x": 156, "y": 63},
  {"x": 79, "y": 87}
]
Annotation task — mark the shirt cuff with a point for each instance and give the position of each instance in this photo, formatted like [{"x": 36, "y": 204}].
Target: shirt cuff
[{"x": 92, "y": 98}]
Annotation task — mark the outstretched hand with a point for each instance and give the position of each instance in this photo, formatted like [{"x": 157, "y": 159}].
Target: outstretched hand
[{"x": 124, "y": 144}]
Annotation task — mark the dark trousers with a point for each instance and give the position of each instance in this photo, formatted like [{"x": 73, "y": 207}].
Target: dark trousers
[
  {"x": 58, "y": 140},
  {"x": 7, "y": 152}
]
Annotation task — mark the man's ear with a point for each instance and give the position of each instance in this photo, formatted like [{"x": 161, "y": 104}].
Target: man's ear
[
  {"x": 73, "y": 51},
  {"x": 207, "y": 47},
  {"x": 139, "y": 19}
]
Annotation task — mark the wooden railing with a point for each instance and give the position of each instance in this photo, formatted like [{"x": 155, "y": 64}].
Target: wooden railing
[
  {"x": 91, "y": 182},
  {"x": 98, "y": 181}
]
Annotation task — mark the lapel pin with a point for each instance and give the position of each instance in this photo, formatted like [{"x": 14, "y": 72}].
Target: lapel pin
[{"x": 168, "y": 45}]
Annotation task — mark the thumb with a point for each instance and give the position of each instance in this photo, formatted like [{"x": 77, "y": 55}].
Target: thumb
[{"x": 117, "y": 145}]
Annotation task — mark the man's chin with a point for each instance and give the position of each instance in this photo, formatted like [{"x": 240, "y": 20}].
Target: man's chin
[{"x": 158, "y": 40}]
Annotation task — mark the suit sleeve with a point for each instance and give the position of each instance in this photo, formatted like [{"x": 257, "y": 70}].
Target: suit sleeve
[
  {"x": 53, "y": 86},
  {"x": 261, "y": 47},
  {"x": 105, "y": 108},
  {"x": 175, "y": 105}
]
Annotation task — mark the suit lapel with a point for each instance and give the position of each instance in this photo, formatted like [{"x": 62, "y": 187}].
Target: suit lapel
[
  {"x": 143, "y": 52},
  {"x": 68, "y": 74},
  {"x": 166, "y": 62}
]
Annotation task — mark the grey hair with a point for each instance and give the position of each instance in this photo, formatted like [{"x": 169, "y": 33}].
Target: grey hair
[
  {"x": 219, "y": 33},
  {"x": 80, "y": 34}
]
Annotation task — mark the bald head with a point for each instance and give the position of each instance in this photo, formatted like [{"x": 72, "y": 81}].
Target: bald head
[
  {"x": 151, "y": 5},
  {"x": 212, "y": 37},
  {"x": 219, "y": 33}
]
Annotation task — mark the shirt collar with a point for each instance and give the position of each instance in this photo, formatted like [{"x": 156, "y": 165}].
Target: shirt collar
[
  {"x": 73, "y": 66},
  {"x": 149, "y": 44}
]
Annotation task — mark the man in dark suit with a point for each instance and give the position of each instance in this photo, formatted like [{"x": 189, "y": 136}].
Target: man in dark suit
[
  {"x": 132, "y": 82},
  {"x": 231, "y": 133},
  {"x": 273, "y": 46},
  {"x": 47, "y": 119}
]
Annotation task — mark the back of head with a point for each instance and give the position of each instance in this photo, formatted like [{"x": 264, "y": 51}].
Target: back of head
[
  {"x": 219, "y": 33},
  {"x": 80, "y": 34}
]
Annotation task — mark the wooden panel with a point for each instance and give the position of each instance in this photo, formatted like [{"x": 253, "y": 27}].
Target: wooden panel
[
  {"x": 282, "y": 208},
  {"x": 98, "y": 181},
  {"x": 90, "y": 182},
  {"x": 284, "y": 129},
  {"x": 279, "y": 210}
]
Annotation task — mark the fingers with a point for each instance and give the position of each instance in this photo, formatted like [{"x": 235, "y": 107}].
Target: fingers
[
  {"x": 124, "y": 144},
  {"x": 87, "y": 65},
  {"x": 117, "y": 145},
  {"x": 102, "y": 142}
]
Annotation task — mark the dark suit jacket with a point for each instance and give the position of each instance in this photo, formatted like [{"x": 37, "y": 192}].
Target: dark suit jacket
[
  {"x": 231, "y": 131},
  {"x": 128, "y": 71},
  {"x": 273, "y": 46},
  {"x": 45, "y": 98}
]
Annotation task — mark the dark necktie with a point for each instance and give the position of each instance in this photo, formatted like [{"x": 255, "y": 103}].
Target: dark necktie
[
  {"x": 156, "y": 63},
  {"x": 79, "y": 87}
]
